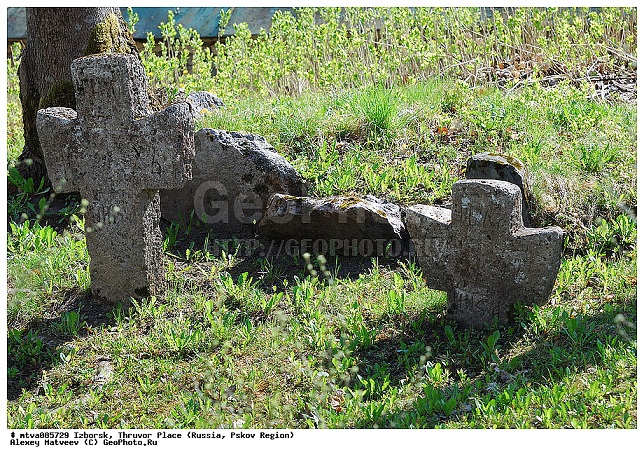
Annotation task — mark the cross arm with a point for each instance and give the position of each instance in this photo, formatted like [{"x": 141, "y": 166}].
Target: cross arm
[
  {"x": 539, "y": 252},
  {"x": 429, "y": 228},
  {"x": 55, "y": 132}
]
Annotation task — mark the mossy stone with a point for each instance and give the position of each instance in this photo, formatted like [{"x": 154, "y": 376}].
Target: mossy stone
[{"x": 104, "y": 38}]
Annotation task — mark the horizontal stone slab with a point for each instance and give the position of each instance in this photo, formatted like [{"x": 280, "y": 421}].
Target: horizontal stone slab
[{"x": 332, "y": 218}]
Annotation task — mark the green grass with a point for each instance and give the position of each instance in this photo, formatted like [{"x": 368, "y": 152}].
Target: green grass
[
  {"x": 242, "y": 340},
  {"x": 580, "y": 153},
  {"x": 364, "y": 352}
]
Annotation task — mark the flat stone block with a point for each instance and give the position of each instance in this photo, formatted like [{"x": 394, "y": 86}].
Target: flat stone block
[{"x": 345, "y": 218}]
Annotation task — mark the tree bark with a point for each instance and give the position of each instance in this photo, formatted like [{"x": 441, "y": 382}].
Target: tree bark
[{"x": 55, "y": 37}]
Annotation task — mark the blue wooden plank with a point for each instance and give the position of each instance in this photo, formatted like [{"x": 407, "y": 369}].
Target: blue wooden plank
[{"x": 204, "y": 20}]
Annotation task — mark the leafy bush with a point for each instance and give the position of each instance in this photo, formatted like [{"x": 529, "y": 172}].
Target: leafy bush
[
  {"x": 181, "y": 62},
  {"x": 331, "y": 48}
]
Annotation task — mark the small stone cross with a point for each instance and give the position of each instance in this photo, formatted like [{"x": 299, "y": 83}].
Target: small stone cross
[
  {"x": 481, "y": 253},
  {"x": 118, "y": 154}
]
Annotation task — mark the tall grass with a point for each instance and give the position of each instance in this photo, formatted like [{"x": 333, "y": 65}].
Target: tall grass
[{"x": 330, "y": 48}]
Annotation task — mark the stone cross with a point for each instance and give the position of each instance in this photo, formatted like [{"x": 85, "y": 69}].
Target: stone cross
[
  {"x": 118, "y": 154},
  {"x": 481, "y": 253}
]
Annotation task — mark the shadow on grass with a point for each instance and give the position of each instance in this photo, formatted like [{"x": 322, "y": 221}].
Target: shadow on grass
[
  {"x": 285, "y": 267},
  {"x": 45, "y": 208},
  {"x": 572, "y": 346},
  {"x": 35, "y": 348},
  {"x": 270, "y": 262}
]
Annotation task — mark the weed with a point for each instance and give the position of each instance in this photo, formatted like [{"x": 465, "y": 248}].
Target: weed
[
  {"x": 170, "y": 240},
  {"x": 594, "y": 158},
  {"x": 31, "y": 237},
  {"x": 70, "y": 323},
  {"x": 615, "y": 237},
  {"x": 379, "y": 108},
  {"x": 25, "y": 186},
  {"x": 490, "y": 346},
  {"x": 25, "y": 347}
]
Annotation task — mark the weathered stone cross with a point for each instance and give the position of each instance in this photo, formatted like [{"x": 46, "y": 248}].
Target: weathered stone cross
[
  {"x": 481, "y": 253},
  {"x": 117, "y": 154}
]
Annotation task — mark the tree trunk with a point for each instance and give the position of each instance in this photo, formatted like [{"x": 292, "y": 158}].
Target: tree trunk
[{"x": 55, "y": 37}]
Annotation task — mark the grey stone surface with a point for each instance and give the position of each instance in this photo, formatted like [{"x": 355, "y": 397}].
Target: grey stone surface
[
  {"x": 346, "y": 218},
  {"x": 117, "y": 153},
  {"x": 234, "y": 175},
  {"x": 504, "y": 168},
  {"x": 481, "y": 253},
  {"x": 203, "y": 102}
]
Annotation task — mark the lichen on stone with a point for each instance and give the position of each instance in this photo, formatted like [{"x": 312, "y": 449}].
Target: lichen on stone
[
  {"x": 292, "y": 198},
  {"x": 344, "y": 202},
  {"x": 516, "y": 163}
]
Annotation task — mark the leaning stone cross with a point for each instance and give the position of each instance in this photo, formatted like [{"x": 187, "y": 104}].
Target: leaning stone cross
[
  {"x": 118, "y": 154},
  {"x": 481, "y": 253}
]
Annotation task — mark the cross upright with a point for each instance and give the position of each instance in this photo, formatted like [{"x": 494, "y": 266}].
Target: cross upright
[
  {"x": 117, "y": 153},
  {"x": 481, "y": 253}
]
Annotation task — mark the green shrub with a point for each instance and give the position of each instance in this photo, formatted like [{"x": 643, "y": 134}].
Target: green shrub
[{"x": 331, "y": 48}]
